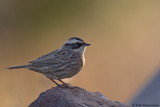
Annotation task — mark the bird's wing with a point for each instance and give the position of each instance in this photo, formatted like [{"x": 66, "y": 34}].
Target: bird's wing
[{"x": 57, "y": 56}]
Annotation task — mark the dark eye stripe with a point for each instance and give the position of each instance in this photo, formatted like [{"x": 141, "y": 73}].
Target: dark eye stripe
[
  {"x": 73, "y": 45},
  {"x": 79, "y": 44}
]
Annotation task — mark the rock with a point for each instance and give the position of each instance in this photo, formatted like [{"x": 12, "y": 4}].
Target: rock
[{"x": 71, "y": 96}]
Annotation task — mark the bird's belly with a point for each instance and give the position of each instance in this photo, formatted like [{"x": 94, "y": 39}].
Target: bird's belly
[{"x": 65, "y": 71}]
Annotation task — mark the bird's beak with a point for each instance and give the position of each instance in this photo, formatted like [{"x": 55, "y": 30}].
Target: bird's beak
[{"x": 86, "y": 44}]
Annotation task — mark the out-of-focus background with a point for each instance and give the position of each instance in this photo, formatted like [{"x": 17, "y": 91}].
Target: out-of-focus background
[{"x": 124, "y": 55}]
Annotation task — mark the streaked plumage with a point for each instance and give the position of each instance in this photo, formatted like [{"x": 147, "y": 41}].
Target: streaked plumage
[{"x": 61, "y": 63}]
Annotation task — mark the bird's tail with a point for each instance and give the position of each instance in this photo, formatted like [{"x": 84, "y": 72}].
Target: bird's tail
[{"x": 17, "y": 67}]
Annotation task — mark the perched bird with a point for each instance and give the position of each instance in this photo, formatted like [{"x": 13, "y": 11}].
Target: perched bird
[{"x": 62, "y": 63}]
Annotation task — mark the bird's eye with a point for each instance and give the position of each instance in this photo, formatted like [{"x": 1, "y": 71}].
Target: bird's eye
[{"x": 78, "y": 44}]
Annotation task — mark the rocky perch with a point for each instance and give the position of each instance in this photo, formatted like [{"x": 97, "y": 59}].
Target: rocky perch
[{"x": 71, "y": 96}]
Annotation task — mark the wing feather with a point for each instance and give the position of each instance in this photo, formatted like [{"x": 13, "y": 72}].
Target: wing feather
[{"x": 57, "y": 56}]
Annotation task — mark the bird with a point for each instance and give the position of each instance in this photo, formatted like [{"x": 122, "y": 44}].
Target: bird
[{"x": 62, "y": 63}]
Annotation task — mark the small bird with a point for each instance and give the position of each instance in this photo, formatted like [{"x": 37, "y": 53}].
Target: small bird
[{"x": 64, "y": 62}]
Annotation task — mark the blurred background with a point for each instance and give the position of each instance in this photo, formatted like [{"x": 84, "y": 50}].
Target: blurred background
[{"x": 123, "y": 57}]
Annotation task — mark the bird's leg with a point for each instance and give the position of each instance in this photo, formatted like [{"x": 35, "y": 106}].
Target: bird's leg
[
  {"x": 54, "y": 82},
  {"x": 63, "y": 82}
]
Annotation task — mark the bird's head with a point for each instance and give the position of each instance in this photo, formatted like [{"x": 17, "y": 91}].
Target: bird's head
[{"x": 75, "y": 44}]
